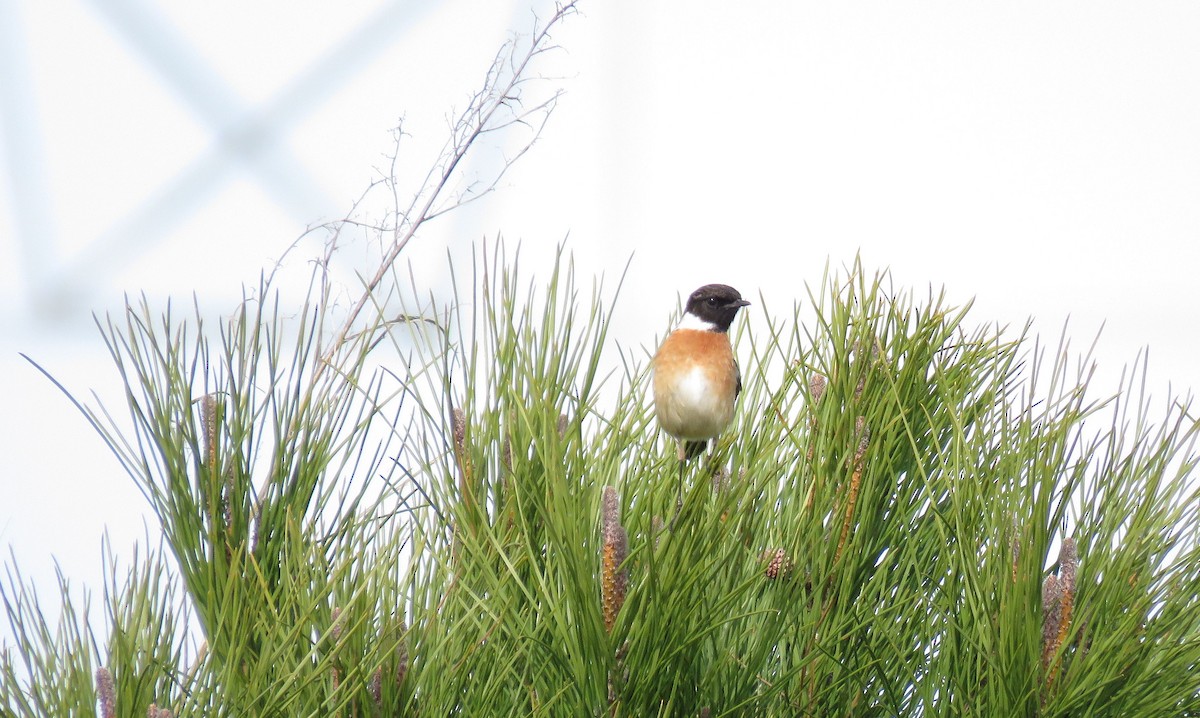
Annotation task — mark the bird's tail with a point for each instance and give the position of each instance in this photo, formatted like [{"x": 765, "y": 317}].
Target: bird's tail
[{"x": 689, "y": 450}]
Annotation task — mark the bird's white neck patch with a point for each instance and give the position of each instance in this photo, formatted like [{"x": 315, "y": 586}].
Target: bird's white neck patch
[{"x": 691, "y": 321}]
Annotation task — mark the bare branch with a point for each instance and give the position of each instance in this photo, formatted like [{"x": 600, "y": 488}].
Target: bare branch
[{"x": 490, "y": 110}]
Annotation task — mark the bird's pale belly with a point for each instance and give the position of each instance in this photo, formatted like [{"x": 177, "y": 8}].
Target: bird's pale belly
[{"x": 692, "y": 407}]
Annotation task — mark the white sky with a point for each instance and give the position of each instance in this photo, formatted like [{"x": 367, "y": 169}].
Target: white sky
[{"x": 1043, "y": 158}]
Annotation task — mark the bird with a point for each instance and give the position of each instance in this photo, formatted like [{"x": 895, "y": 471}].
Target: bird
[{"x": 696, "y": 377}]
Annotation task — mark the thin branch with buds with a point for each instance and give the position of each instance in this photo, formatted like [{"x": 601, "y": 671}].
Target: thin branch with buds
[{"x": 496, "y": 107}]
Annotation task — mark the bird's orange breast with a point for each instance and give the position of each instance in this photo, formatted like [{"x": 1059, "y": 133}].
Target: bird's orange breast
[{"x": 695, "y": 383}]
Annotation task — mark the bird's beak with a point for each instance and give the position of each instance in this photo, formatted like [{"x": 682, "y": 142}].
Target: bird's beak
[{"x": 740, "y": 303}]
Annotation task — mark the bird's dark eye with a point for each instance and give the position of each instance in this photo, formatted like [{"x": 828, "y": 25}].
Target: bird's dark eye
[{"x": 712, "y": 301}]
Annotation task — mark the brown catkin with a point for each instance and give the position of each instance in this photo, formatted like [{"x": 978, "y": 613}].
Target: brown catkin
[
  {"x": 106, "y": 692},
  {"x": 375, "y": 687},
  {"x": 458, "y": 433},
  {"x": 1068, "y": 561},
  {"x": 816, "y": 389},
  {"x": 615, "y": 548},
  {"x": 778, "y": 563},
  {"x": 1051, "y": 617},
  {"x": 335, "y": 617},
  {"x": 816, "y": 386},
  {"x": 864, "y": 441},
  {"x": 208, "y": 424},
  {"x": 1058, "y": 603},
  {"x": 402, "y": 654}
]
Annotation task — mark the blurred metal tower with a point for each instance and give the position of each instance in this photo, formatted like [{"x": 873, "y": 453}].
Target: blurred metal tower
[{"x": 244, "y": 137}]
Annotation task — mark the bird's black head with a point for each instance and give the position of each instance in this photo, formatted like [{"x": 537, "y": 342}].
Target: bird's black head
[{"x": 715, "y": 304}]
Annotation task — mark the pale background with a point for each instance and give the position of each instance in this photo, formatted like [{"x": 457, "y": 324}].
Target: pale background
[{"x": 1043, "y": 158}]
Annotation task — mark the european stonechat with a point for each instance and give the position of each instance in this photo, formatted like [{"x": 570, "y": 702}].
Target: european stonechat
[{"x": 696, "y": 378}]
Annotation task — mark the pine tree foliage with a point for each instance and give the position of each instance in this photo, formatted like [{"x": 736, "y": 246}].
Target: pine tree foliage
[
  {"x": 463, "y": 506},
  {"x": 911, "y": 516}
]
